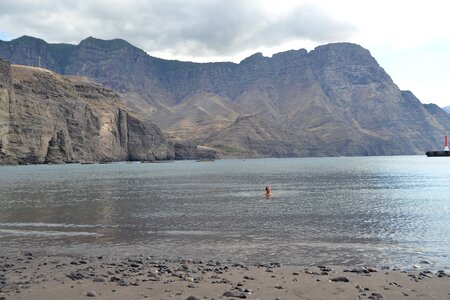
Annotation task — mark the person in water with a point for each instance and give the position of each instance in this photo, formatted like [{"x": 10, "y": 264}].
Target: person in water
[{"x": 268, "y": 191}]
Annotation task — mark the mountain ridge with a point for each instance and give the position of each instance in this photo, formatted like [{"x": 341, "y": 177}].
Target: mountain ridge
[{"x": 336, "y": 94}]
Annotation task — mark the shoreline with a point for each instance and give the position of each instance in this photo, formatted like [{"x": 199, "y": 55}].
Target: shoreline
[
  {"x": 227, "y": 157},
  {"x": 40, "y": 276}
]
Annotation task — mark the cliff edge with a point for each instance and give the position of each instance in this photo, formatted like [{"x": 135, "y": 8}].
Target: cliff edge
[{"x": 49, "y": 118}]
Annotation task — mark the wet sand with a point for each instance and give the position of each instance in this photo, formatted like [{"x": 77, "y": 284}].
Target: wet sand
[{"x": 33, "y": 276}]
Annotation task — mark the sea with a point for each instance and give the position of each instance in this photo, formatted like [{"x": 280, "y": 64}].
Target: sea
[{"x": 377, "y": 211}]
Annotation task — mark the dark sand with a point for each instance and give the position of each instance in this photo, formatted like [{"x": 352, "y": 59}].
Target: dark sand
[{"x": 32, "y": 276}]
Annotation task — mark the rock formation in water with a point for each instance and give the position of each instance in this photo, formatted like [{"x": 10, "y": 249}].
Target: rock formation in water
[
  {"x": 48, "y": 118},
  {"x": 334, "y": 100}
]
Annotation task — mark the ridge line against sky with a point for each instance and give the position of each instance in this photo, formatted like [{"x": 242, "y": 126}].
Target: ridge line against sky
[{"x": 409, "y": 38}]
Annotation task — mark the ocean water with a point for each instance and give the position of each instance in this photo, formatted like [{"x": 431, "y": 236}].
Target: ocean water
[{"x": 345, "y": 211}]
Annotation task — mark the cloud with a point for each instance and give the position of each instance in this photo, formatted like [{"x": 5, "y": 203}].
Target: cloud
[
  {"x": 185, "y": 28},
  {"x": 213, "y": 30}
]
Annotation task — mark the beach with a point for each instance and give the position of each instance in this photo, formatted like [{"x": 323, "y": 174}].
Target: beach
[
  {"x": 39, "y": 276},
  {"x": 334, "y": 228}
]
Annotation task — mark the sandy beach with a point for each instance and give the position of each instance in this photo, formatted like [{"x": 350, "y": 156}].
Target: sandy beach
[{"x": 33, "y": 276}]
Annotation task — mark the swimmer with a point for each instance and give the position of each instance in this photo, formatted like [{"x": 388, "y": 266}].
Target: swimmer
[{"x": 268, "y": 191}]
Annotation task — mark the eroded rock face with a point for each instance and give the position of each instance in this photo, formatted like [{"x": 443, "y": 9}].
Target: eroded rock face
[
  {"x": 5, "y": 99},
  {"x": 334, "y": 100},
  {"x": 188, "y": 150},
  {"x": 48, "y": 118}
]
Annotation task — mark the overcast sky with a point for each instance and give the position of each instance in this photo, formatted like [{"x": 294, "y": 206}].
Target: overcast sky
[{"x": 410, "y": 39}]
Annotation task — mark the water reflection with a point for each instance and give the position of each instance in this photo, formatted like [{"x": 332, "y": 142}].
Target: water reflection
[{"x": 385, "y": 210}]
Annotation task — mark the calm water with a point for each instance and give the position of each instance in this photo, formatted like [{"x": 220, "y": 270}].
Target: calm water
[{"x": 375, "y": 210}]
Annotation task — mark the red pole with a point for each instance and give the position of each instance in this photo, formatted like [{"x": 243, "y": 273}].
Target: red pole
[{"x": 446, "y": 143}]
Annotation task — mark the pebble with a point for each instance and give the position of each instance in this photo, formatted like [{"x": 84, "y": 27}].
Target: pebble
[
  {"x": 123, "y": 282},
  {"x": 224, "y": 281},
  {"x": 441, "y": 273},
  {"x": 75, "y": 276},
  {"x": 279, "y": 287},
  {"x": 324, "y": 269},
  {"x": 99, "y": 279},
  {"x": 91, "y": 294},
  {"x": 115, "y": 278},
  {"x": 425, "y": 274},
  {"x": 376, "y": 296},
  {"x": 340, "y": 279},
  {"x": 357, "y": 270},
  {"x": 235, "y": 294},
  {"x": 193, "y": 298},
  {"x": 311, "y": 273},
  {"x": 394, "y": 284}
]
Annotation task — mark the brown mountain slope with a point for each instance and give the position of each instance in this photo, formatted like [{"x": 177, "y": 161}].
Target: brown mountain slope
[
  {"x": 198, "y": 116},
  {"x": 255, "y": 135},
  {"x": 334, "y": 100}
]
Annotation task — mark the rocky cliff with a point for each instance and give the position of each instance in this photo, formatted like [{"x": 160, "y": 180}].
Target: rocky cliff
[
  {"x": 48, "y": 118},
  {"x": 334, "y": 100}
]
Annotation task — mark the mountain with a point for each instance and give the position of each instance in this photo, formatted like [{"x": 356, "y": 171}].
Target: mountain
[
  {"x": 333, "y": 100},
  {"x": 447, "y": 109},
  {"x": 48, "y": 118}
]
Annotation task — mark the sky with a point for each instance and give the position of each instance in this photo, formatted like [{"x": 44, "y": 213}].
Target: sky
[{"x": 410, "y": 39}]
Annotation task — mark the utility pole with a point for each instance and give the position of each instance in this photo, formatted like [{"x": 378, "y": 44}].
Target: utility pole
[{"x": 39, "y": 61}]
